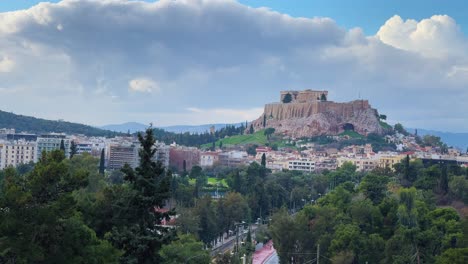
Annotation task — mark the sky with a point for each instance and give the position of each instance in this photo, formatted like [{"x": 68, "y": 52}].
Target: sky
[{"x": 219, "y": 61}]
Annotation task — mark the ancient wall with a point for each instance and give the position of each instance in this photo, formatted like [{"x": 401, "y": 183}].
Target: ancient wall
[
  {"x": 303, "y": 96},
  {"x": 312, "y": 118}
]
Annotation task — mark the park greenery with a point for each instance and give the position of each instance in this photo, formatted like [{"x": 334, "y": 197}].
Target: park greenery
[{"x": 63, "y": 210}]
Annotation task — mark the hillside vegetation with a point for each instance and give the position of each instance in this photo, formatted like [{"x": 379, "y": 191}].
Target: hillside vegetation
[{"x": 37, "y": 125}]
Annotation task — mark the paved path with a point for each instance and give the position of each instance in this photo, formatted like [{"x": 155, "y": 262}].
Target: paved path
[
  {"x": 273, "y": 259},
  {"x": 263, "y": 254}
]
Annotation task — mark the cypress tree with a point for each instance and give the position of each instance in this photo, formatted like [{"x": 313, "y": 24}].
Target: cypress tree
[
  {"x": 251, "y": 130},
  {"x": 184, "y": 166},
  {"x": 264, "y": 160},
  {"x": 62, "y": 146},
  {"x": 264, "y": 121},
  {"x": 73, "y": 149},
  {"x": 102, "y": 163}
]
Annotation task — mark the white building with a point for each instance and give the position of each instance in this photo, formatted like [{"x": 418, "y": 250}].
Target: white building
[
  {"x": 301, "y": 165},
  {"x": 51, "y": 142},
  {"x": 208, "y": 159},
  {"x": 162, "y": 153},
  {"x": 14, "y": 153}
]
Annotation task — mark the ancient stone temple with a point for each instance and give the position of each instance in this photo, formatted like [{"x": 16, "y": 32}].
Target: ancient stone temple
[{"x": 308, "y": 113}]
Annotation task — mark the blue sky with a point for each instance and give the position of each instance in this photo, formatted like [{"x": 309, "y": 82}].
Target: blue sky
[
  {"x": 218, "y": 61},
  {"x": 367, "y": 14}
]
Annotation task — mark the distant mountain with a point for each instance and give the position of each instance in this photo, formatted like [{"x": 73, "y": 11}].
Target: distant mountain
[
  {"x": 37, "y": 125},
  {"x": 125, "y": 127},
  {"x": 135, "y": 127},
  {"x": 458, "y": 140}
]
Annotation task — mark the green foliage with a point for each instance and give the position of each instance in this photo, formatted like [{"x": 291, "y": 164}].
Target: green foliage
[
  {"x": 323, "y": 98},
  {"x": 287, "y": 98},
  {"x": 186, "y": 249},
  {"x": 400, "y": 129},
  {"x": 263, "y": 162},
  {"x": 268, "y": 132},
  {"x": 73, "y": 149},
  {"x": 40, "y": 223},
  {"x": 37, "y": 125},
  {"x": 374, "y": 187},
  {"x": 102, "y": 164}
]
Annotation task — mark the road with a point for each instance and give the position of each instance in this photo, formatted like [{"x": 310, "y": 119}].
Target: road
[
  {"x": 273, "y": 259},
  {"x": 229, "y": 245}
]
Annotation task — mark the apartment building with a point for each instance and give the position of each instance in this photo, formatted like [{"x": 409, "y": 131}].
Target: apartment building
[{"x": 14, "y": 153}]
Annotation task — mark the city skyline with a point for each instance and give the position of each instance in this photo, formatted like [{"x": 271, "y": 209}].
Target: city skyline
[{"x": 199, "y": 62}]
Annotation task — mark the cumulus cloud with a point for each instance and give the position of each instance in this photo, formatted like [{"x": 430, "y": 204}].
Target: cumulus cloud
[
  {"x": 222, "y": 56},
  {"x": 435, "y": 36},
  {"x": 143, "y": 85}
]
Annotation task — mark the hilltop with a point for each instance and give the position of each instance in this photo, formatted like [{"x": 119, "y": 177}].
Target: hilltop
[
  {"x": 308, "y": 113},
  {"x": 38, "y": 125}
]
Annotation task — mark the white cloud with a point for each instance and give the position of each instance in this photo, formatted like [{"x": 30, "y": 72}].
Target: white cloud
[
  {"x": 435, "y": 36},
  {"x": 223, "y": 57},
  {"x": 143, "y": 85},
  {"x": 6, "y": 64}
]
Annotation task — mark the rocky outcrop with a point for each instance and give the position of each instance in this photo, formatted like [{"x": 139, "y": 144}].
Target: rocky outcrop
[{"x": 312, "y": 118}]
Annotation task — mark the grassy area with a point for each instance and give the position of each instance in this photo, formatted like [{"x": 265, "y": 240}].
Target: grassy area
[
  {"x": 385, "y": 125},
  {"x": 351, "y": 134},
  {"x": 212, "y": 181},
  {"x": 257, "y": 138}
]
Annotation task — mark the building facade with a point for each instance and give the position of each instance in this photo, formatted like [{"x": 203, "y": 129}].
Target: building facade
[
  {"x": 51, "y": 142},
  {"x": 14, "y": 153}
]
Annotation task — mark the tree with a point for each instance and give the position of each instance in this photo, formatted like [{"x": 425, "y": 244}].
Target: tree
[
  {"x": 251, "y": 129},
  {"x": 374, "y": 187},
  {"x": 383, "y": 117},
  {"x": 73, "y": 149},
  {"x": 220, "y": 144},
  {"x": 323, "y": 98},
  {"x": 263, "y": 160},
  {"x": 102, "y": 164},
  {"x": 186, "y": 249},
  {"x": 264, "y": 121},
  {"x": 140, "y": 233},
  {"x": 42, "y": 224},
  {"x": 213, "y": 146},
  {"x": 400, "y": 129},
  {"x": 62, "y": 146},
  {"x": 287, "y": 98},
  {"x": 184, "y": 166},
  {"x": 268, "y": 132}
]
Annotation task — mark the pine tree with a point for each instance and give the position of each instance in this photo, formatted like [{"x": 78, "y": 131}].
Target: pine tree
[
  {"x": 102, "y": 163},
  {"x": 264, "y": 160},
  {"x": 73, "y": 149},
  {"x": 251, "y": 130},
  {"x": 141, "y": 235}
]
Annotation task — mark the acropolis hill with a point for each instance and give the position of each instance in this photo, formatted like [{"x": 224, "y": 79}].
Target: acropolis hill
[{"x": 308, "y": 113}]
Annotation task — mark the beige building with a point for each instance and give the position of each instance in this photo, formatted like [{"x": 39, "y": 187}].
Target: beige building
[
  {"x": 388, "y": 161},
  {"x": 362, "y": 164},
  {"x": 14, "y": 153},
  {"x": 119, "y": 155}
]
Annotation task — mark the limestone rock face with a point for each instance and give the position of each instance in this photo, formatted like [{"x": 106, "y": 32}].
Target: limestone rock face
[{"x": 312, "y": 118}]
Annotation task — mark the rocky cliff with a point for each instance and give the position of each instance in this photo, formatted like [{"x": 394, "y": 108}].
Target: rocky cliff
[{"x": 312, "y": 118}]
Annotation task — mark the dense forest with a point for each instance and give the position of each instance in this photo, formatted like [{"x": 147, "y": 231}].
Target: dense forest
[
  {"x": 68, "y": 211},
  {"x": 37, "y": 125}
]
